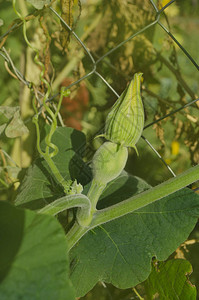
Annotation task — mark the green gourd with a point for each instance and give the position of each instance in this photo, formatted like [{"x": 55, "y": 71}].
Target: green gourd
[{"x": 108, "y": 162}]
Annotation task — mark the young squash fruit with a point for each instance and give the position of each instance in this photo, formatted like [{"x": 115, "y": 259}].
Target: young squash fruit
[{"x": 108, "y": 162}]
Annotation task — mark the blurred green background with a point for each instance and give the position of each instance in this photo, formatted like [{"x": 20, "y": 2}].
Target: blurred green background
[{"x": 170, "y": 81}]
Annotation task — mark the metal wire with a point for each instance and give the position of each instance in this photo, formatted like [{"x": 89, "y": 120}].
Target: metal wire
[
  {"x": 94, "y": 63},
  {"x": 180, "y": 46},
  {"x": 171, "y": 113},
  {"x": 164, "y": 7}
]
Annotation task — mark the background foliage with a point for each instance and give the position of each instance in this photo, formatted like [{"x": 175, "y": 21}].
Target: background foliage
[{"x": 170, "y": 81}]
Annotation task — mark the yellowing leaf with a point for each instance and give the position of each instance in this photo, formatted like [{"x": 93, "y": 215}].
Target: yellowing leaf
[
  {"x": 39, "y": 4},
  {"x": 16, "y": 127}
]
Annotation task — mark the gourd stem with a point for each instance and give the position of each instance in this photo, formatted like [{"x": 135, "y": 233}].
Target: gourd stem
[
  {"x": 74, "y": 234},
  {"x": 133, "y": 203},
  {"x": 149, "y": 196},
  {"x": 77, "y": 231},
  {"x": 67, "y": 202},
  {"x": 94, "y": 193}
]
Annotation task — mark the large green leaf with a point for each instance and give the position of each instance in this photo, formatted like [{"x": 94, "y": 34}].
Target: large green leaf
[
  {"x": 39, "y": 186},
  {"x": 120, "y": 251},
  {"x": 33, "y": 256},
  {"x": 169, "y": 280},
  {"x": 121, "y": 188}
]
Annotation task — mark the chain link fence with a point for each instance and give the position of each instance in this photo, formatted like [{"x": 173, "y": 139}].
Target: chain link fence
[{"x": 94, "y": 70}]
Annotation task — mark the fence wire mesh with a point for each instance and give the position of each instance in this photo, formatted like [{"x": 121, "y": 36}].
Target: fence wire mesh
[{"x": 158, "y": 12}]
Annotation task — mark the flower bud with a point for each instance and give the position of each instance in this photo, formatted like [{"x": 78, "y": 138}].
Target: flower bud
[
  {"x": 125, "y": 122},
  {"x": 108, "y": 162}
]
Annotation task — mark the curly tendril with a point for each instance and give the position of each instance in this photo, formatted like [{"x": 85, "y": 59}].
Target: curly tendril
[{"x": 51, "y": 149}]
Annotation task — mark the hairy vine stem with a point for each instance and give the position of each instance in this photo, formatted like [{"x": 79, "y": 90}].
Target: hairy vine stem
[
  {"x": 94, "y": 193},
  {"x": 67, "y": 202},
  {"x": 134, "y": 203}
]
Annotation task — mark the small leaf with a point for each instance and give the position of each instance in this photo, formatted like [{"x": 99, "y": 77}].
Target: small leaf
[
  {"x": 16, "y": 127},
  {"x": 170, "y": 280},
  {"x": 8, "y": 111},
  {"x": 33, "y": 256},
  {"x": 39, "y": 4}
]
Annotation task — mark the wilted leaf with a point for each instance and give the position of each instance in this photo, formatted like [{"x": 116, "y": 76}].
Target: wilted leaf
[
  {"x": 3, "y": 118},
  {"x": 2, "y": 128},
  {"x": 39, "y": 4},
  {"x": 8, "y": 111},
  {"x": 16, "y": 127}
]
